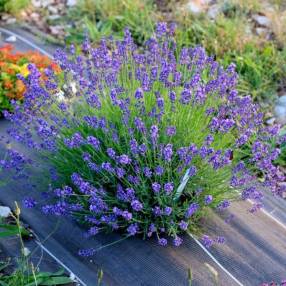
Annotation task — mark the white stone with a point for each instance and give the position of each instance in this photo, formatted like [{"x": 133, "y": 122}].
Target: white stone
[
  {"x": 214, "y": 11},
  {"x": 282, "y": 100},
  {"x": 60, "y": 95},
  {"x": 10, "y": 21},
  {"x": 55, "y": 30},
  {"x": 4, "y": 211},
  {"x": 73, "y": 87},
  {"x": 53, "y": 9},
  {"x": 26, "y": 251},
  {"x": 270, "y": 121},
  {"x": 280, "y": 114},
  {"x": 46, "y": 3},
  {"x": 195, "y": 7},
  {"x": 36, "y": 3},
  {"x": 262, "y": 20},
  {"x": 54, "y": 17},
  {"x": 261, "y": 31},
  {"x": 11, "y": 39},
  {"x": 71, "y": 3}
]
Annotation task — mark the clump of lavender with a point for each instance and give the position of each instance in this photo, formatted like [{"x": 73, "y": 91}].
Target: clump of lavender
[{"x": 143, "y": 141}]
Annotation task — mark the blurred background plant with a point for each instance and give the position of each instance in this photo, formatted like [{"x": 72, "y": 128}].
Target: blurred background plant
[
  {"x": 103, "y": 18},
  {"x": 13, "y": 6}
]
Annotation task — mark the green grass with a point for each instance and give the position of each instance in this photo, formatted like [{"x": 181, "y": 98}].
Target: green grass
[
  {"x": 103, "y": 18},
  {"x": 25, "y": 274}
]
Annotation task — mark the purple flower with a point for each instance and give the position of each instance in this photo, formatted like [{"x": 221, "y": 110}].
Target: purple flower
[
  {"x": 208, "y": 199},
  {"x": 142, "y": 149},
  {"x": 220, "y": 239},
  {"x": 209, "y": 139},
  {"x": 160, "y": 102},
  {"x": 177, "y": 241},
  {"x": 124, "y": 159},
  {"x": 161, "y": 29},
  {"x": 162, "y": 241},
  {"x": 132, "y": 229},
  {"x": 93, "y": 231},
  {"x": 127, "y": 215},
  {"x": 29, "y": 202},
  {"x": 192, "y": 209},
  {"x": 94, "y": 142},
  {"x": 111, "y": 153},
  {"x": 147, "y": 172},
  {"x": 154, "y": 133},
  {"x": 117, "y": 211},
  {"x": 192, "y": 171},
  {"x": 168, "y": 211},
  {"x": 75, "y": 141},
  {"x": 207, "y": 241},
  {"x": 159, "y": 170},
  {"x": 157, "y": 211},
  {"x": 133, "y": 146},
  {"x": 156, "y": 187},
  {"x": 107, "y": 167},
  {"x": 171, "y": 131},
  {"x": 169, "y": 187},
  {"x": 223, "y": 205},
  {"x": 136, "y": 205},
  {"x": 183, "y": 225},
  {"x": 168, "y": 152},
  {"x": 120, "y": 172},
  {"x": 139, "y": 93}
]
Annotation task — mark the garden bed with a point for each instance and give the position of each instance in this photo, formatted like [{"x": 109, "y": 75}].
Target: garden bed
[{"x": 248, "y": 255}]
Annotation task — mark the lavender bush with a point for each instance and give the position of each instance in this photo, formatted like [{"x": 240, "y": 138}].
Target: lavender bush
[{"x": 144, "y": 141}]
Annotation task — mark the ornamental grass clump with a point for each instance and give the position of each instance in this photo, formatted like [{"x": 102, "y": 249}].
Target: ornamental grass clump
[{"x": 143, "y": 141}]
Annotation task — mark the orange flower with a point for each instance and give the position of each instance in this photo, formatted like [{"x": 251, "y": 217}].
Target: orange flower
[
  {"x": 20, "y": 88},
  {"x": 12, "y": 63},
  {"x": 8, "y": 84}
]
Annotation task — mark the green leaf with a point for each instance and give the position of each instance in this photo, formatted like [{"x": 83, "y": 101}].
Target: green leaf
[
  {"x": 12, "y": 230},
  {"x": 57, "y": 281},
  {"x": 49, "y": 274}
]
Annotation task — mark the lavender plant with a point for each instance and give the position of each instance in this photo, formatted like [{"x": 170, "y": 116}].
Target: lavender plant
[{"x": 143, "y": 141}]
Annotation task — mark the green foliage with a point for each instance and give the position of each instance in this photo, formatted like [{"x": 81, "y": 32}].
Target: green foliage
[
  {"x": 25, "y": 274},
  {"x": 13, "y": 6},
  {"x": 7, "y": 230},
  {"x": 33, "y": 278},
  {"x": 102, "y": 18}
]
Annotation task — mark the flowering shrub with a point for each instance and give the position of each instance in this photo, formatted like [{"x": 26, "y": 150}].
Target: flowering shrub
[
  {"x": 144, "y": 141},
  {"x": 12, "y": 88}
]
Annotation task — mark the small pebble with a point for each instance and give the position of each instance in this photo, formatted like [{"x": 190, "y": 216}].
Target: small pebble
[{"x": 11, "y": 39}]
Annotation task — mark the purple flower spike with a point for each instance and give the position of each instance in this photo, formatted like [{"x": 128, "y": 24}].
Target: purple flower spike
[
  {"x": 168, "y": 152},
  {"x": 156, "y": 187},
  {"x": 162, "y": 241},
  {"x": 169, "y": 187},
  {"x": 208, "y": 199},
  {"x": 29, "y": 202},
  {"x": 136, "y": 205},
  {"x": 171, "y": 131},
  {"x": 124, "y": 159},
  {"x": 192, "y": 209},
  {"x": 177, "y": 241}
]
